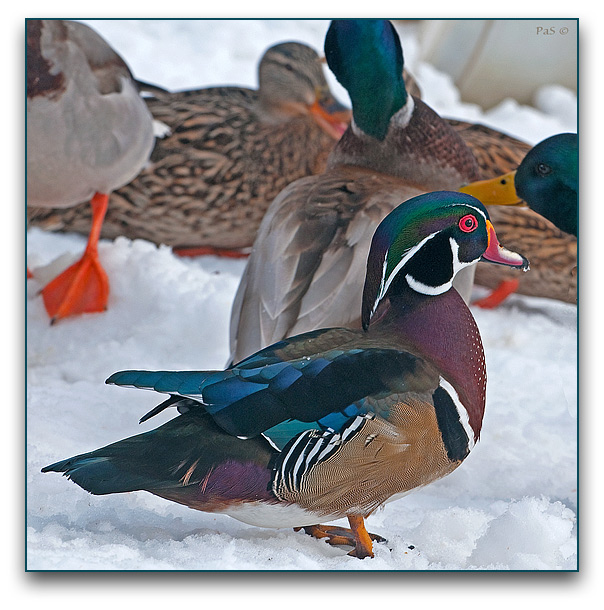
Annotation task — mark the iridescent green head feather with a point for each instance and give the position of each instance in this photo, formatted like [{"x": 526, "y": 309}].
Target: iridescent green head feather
[
  {"x": 367, "y": 59},
  {"x": 424, "y": 242},
  {"x": 548, "y": 180}
]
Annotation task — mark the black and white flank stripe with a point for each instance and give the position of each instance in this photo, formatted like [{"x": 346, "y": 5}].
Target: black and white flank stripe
[
  {"x": 453, "y": 422},
  {"x": 307, "y": 450}
]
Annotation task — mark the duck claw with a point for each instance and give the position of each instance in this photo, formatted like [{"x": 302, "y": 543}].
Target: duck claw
[{"x": 341, "y": 536}]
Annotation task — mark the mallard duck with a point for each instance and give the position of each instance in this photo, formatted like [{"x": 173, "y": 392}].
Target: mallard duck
[
  {"x": 546, "y": 180},
  {"x": 88, "y": 133},
  {"x": 307, "y": 263},
  {"x": 335, "y": 422},
  {"x": 228, "y": 153},
  {"x": 496, "y": 152}
]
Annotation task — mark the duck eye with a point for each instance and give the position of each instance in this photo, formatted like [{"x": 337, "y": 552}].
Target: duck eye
[
  {"x": 543, "y": 169},
  {"x": 468, "y": 223}
]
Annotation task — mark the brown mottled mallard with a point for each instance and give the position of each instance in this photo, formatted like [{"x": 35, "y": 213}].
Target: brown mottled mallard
[
  {"x": 546, "y": 181},
  {"x": 228, "y": 153},
  {"x": 496, "y": 152},
  {"x": 306, "y": 267},
  {"x": 88, "y": 133}
]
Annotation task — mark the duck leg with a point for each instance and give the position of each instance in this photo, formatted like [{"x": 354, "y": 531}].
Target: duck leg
[
  {"x": 357, "y": 536},
  {"x": 363, "y": 541},
  {"x": 83, "y": 287},
  {"x": 502, "y": 292}
]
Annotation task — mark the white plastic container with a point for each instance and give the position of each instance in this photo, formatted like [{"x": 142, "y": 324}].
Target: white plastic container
[{"x": 490, "y": 60}]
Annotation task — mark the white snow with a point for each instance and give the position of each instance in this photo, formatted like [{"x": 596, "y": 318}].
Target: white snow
[{"x": 511, "y": 506}]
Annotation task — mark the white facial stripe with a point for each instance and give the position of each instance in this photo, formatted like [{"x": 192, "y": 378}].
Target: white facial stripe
[
  {"x": 464, "y": 418},
  {"x": 465, "y": 205},
  {"x": 457, "y": 264},
  {"x": 381, "y": 291},
  {"x": 385, "y": 283},
  {"x": 415, "y": 284},
  {"x": 434, "y": 290},
  {"x": 425, "y": 289}
]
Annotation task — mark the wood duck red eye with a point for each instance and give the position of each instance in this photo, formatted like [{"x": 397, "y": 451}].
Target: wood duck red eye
[{"x": 468, "y": 223}]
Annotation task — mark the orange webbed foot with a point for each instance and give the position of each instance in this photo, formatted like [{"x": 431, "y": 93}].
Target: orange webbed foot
[
  {"x": 502, "y": 292},
  {"x": 358, "y": 536},
  {"x": 81, "y": 288}
]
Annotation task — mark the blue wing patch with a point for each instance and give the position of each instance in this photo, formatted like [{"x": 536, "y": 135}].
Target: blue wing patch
[{"x": 264, "y": 392}]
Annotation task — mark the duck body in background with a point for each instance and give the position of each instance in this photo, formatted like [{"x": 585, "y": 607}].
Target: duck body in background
[
  {"x": 306, "y": 267},
  {"x": 88, "y": 133},
  {"x": 227, "y": 153}
]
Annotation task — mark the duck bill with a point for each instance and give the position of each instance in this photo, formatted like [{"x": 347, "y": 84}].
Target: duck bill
[
  {"x": 330, "y": 115},
  {"x": 497, "y": 191},
  {"x": 496, "y": 253}
]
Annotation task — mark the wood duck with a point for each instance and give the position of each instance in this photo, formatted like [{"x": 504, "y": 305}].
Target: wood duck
[
  {"x": 307, "y": 264},
  {"x": 227, "y": 154},
  {"x": 335, "y": 422},
  {"x": 547, "y": 182},
  {"x": 88, "y": 133}
]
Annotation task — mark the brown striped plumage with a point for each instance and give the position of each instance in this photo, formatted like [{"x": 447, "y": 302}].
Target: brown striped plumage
[
  {"x": 229, "y": 152},
  {"x": 552, "y": 253},
  {"x": 496, "y": 152},
  {"x": 408, "y": 447}
]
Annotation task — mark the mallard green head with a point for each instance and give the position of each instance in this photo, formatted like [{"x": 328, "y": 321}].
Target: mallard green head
[
  {"x": 547, "y": 179},
  {"x": 391, "y": 132},
  {"x": 424, "y": 242},
  {"x": 367, "y": 59}
]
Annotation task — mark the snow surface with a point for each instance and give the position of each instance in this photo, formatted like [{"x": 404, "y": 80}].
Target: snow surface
[{"x": 511, "y": 506}]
